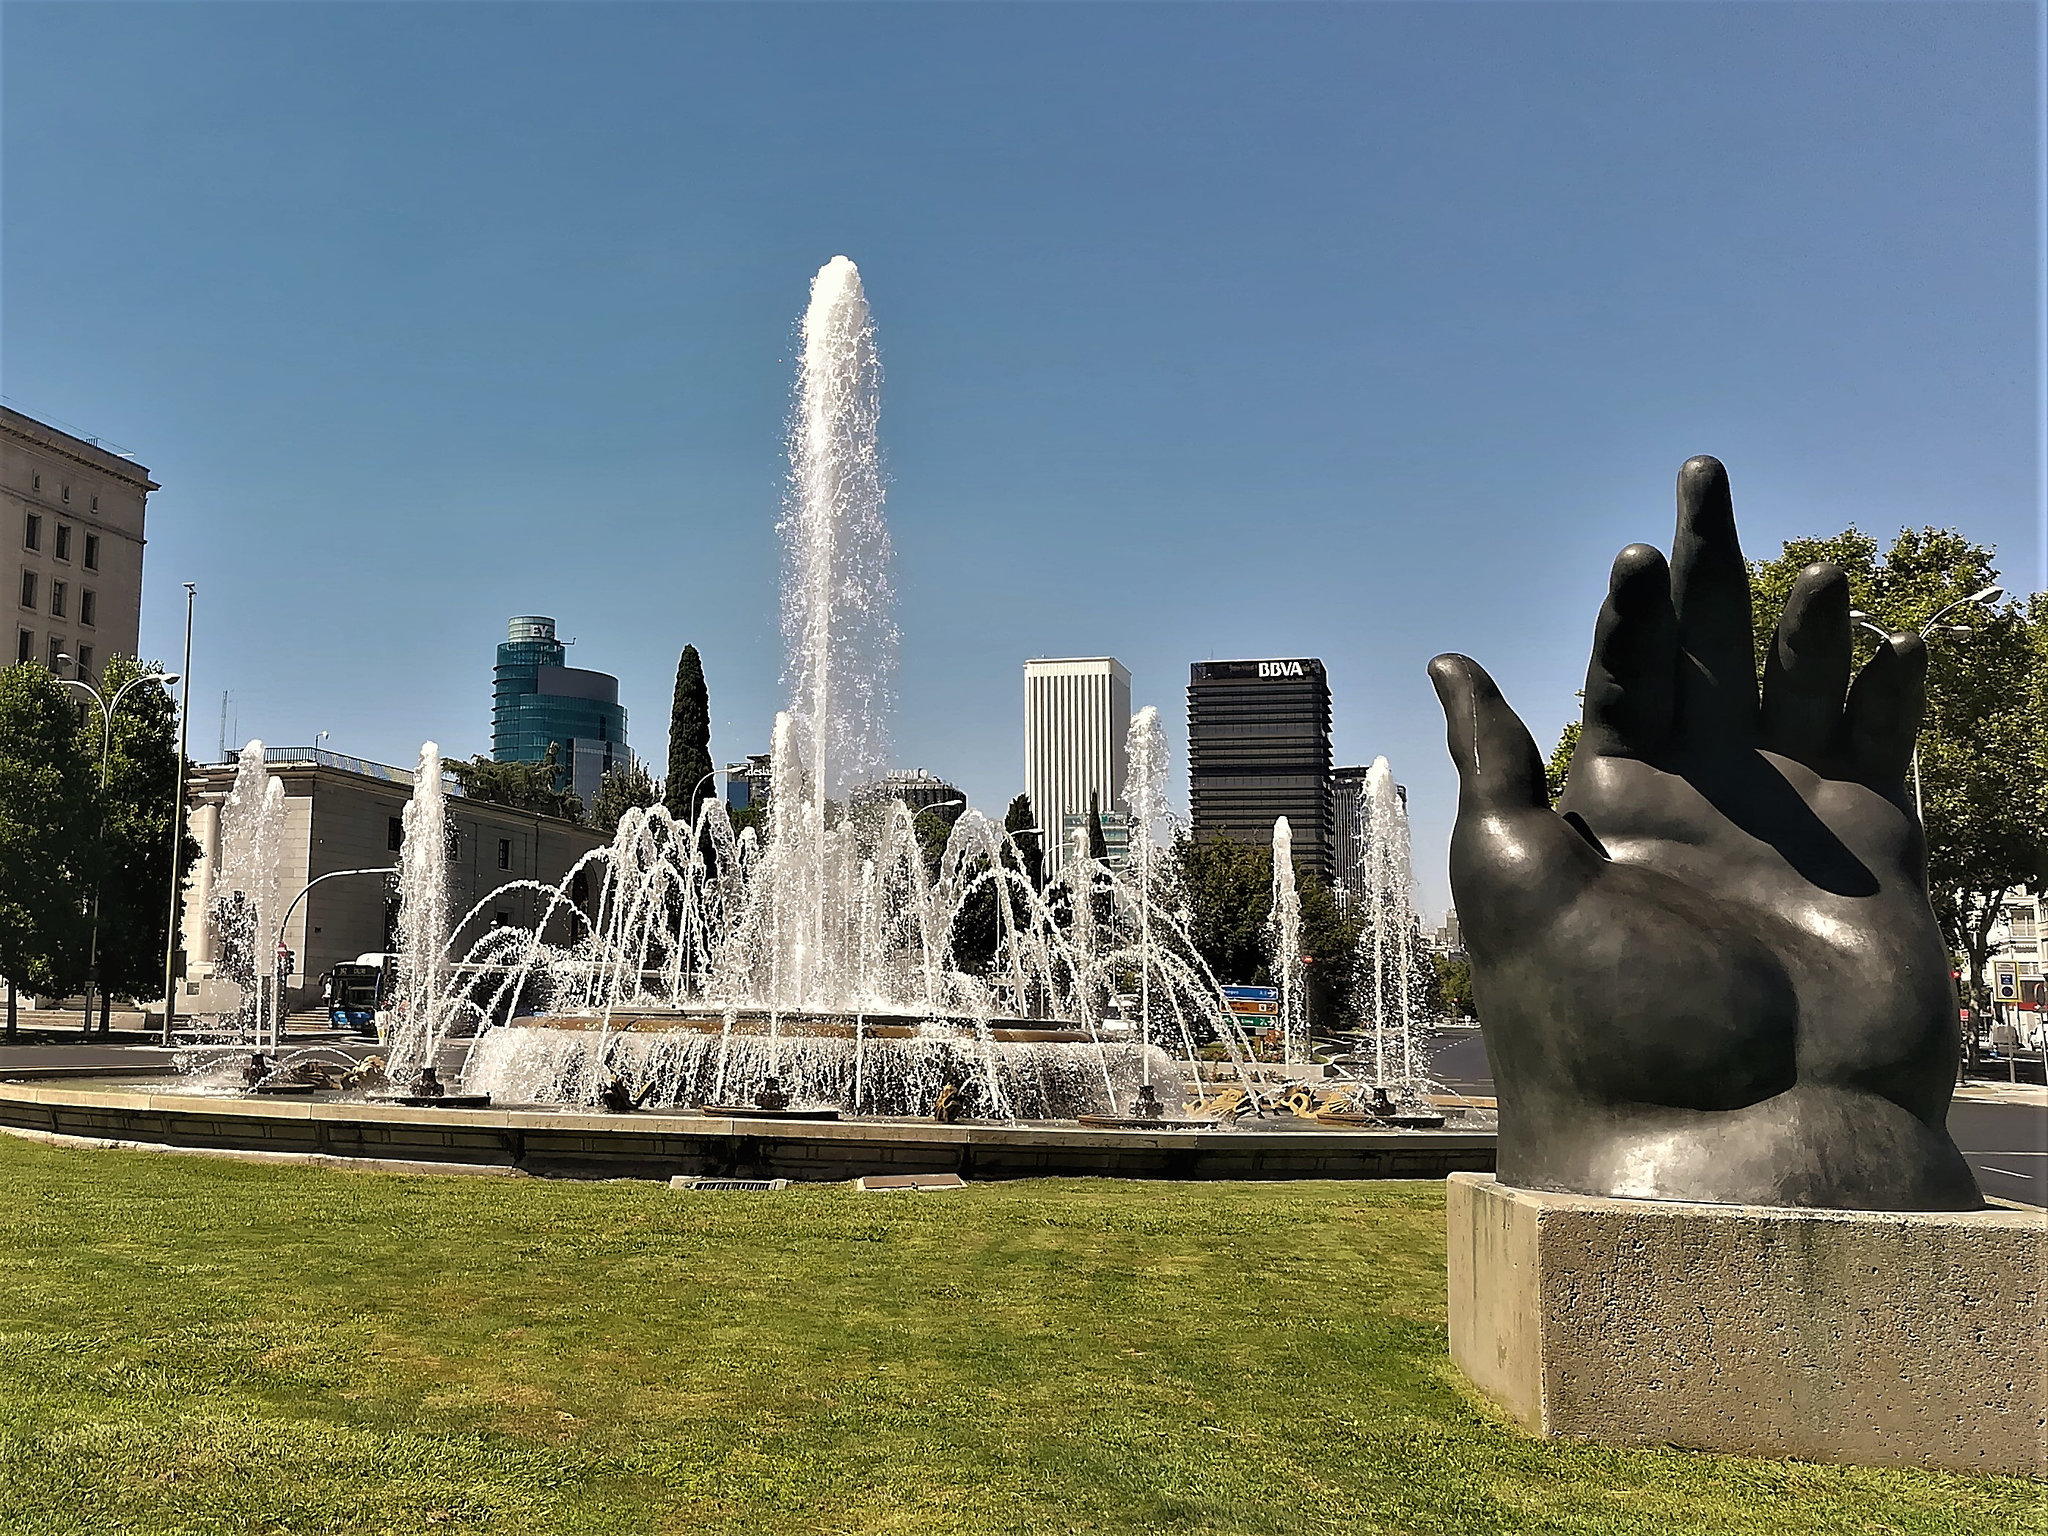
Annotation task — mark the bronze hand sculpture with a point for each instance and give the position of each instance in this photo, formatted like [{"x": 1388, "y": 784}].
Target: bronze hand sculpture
[{"x": 1712, "y": 973}]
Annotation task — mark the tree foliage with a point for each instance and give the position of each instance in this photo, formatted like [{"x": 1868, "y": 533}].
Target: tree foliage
[
  {"x": 688, "y": 783},
  {"x": 1098, "y": 844},
  {"x": 1983, "y": 759},
  {"x": 627, "y": 787},
  {"x": 47, "y": 789},
  {"x": 1452, "y": 993},
  {"x": 1228, "y": 890},
  {"x": 131, "y": 842},
  {"x": 528, "y": 787},
  {"x": 1560, "y": 762},
  {"x": 1020, "y": 823}
]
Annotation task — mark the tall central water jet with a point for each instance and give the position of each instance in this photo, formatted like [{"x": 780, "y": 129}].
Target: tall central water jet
[
  {"x": 838, "y": 613},
  {"x": 839, "y": 604}
]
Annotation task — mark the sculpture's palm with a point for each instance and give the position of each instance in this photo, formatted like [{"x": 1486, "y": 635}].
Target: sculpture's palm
[{"x": 1712, "y": 974}]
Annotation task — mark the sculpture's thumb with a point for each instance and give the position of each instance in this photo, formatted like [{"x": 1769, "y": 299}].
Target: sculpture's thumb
[{"x": 1499, "y": 769}]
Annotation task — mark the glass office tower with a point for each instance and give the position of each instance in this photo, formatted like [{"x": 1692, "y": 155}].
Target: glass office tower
[{"x": 537, "y": 700}]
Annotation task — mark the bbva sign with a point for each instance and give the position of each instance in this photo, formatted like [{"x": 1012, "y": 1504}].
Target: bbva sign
[{"x": 1281, "y": 669}]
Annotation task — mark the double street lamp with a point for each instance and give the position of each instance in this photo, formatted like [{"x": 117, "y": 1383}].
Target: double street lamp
[{"x": 107, "y": 708}]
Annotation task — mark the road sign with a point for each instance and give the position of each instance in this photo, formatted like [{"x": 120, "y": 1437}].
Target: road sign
[
  {"x": 2005, "y": 980},
  {"x": 1253, "y": 994},
  {"x": 1253, "y": 1002}
]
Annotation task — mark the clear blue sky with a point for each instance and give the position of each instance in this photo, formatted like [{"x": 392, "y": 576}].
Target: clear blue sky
[{"x": 1360, "y": 331}]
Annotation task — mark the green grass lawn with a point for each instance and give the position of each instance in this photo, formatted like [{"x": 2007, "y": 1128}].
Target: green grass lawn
[{"x": 194, "y": 1345}]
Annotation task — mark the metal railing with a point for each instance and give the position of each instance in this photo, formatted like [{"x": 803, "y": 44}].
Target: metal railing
[{"x": 322, "y": 758}]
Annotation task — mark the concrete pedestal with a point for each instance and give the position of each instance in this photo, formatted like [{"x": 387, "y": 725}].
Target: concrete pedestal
[{"x": 1866, "y": 1337}]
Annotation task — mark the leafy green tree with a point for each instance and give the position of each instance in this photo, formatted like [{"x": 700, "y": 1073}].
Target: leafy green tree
[
  {"x": 1453, "y": 989},
  {"x": 1228, "y": 890},
  {"x": 1560, "y": 762},
  {"x": 1983, "y": 758},
  {"x": 932, "y": 831},
  {"x": 626, "y": 788},
  {"x": 1020, "y": 823},
  {"x": 1329, "y": 945},
  {"x": 132, "y": 838},
  {"x": 528, "y": 787},
  {"x": 688, "y": 783},
  {"x": 47, "y": 788}
]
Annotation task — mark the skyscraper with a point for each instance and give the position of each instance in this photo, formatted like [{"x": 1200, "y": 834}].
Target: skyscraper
[
  {"x": 1259, "y": 748},
  {"x": 1077, "y": 718},
  {"x": 1347, "y": 818},
  {"x": 537, "y": 700},
  {"x": 1349, "y": 813}
]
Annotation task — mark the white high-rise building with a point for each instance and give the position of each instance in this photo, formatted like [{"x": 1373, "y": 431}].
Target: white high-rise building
[{"x": 1077, "y": 716}]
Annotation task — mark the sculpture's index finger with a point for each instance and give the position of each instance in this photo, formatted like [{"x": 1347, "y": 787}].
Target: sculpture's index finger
[
  {"x": 1633, "y": 671},
  {"x": 1717, "y": 692}
]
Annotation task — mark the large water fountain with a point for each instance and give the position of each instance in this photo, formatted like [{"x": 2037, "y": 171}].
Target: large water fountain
[{"x": 824, "y": 964}]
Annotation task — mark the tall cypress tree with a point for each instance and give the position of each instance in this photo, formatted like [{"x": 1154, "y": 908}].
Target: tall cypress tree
[
  {"x": 1019, "y": 823},
  {"x": 689, "y": 740},
  {"x": 1098, "y": 845}
]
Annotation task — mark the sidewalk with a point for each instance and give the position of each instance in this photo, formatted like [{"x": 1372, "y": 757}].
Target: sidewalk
[{"x": 1991, "y": 1091}]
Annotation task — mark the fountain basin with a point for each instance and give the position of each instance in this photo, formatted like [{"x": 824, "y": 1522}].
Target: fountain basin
[
  {"x": 682, "y": 1061},
  {"x": 575, "y": 1144}
]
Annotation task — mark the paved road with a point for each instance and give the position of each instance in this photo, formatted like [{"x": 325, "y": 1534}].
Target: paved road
[{"x": 2005, "y": 1142}]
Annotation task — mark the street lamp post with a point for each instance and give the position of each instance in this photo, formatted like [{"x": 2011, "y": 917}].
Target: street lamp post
[
  {"x": 178, "y": 830},
  {"x": 1928, "y": 631},
  {"x": 276, "y": 1009},
  {"x": 107, "y": 708}
]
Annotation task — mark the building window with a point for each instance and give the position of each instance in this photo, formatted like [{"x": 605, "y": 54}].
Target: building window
[
  {"x": 35, "y": 482},
  {"x": 56, "y": 599},
  {"x": 28, "y": 589},
  {"x": 95, "y": 503},
  {"x": 88, "y": 607},
  {"x": 63, "y": 550},
  {"x": 394, "y": 833},
  {"x": 27, "y": 647},
  {"x": 67, "y": 493},
  {"x": 56, "y": 652},
  {"x": 32, "y": 532},
  {"x": 92, "y": 551},
  {"x": 501, "y": 919},
  {"x": 85, "y": 661},
  {"x": 504, "y": 853}
]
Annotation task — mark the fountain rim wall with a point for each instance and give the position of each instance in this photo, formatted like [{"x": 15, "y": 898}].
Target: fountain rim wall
[{"x": 589, "y": 1144}]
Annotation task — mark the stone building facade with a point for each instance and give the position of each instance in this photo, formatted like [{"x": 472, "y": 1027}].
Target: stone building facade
[
  {"x": 345, "y": 813},
  {"x": 71, "y": 536}
]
